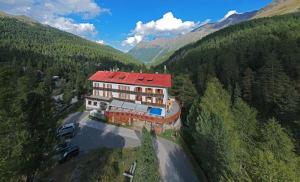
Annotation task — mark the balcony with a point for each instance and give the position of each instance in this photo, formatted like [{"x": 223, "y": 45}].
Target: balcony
[{"x": 136, "y": 92}]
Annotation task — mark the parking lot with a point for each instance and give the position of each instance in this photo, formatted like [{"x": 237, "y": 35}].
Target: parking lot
[{"x": 92, "y": 134}]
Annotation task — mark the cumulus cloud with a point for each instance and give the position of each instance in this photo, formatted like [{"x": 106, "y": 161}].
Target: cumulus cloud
[
  {"x": 229, "y": 13},
  {"x": 133, "y": 40},
  {"x": 69, "y": 25},
  {"x": 100, "y": 41},
  {"x": 55, "y": 12},
  {"x": 168, "y": 25}
]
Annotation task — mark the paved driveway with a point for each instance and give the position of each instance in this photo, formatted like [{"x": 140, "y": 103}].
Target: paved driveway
[
  {"x": 93, "y": 134},
  {"x": 174, "y": 164}
]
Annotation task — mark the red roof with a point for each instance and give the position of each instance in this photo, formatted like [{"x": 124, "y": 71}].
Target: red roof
[{"x": 145, "y": 79}]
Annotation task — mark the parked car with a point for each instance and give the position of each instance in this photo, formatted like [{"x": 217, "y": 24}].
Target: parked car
[
  {"x": 67, "y": 133},
  {"x": 59, "y": 148},
  {"x": 66, "y": 126},
  {"x": 68, "y": 153},
  {"x": 67, "y": 130}
]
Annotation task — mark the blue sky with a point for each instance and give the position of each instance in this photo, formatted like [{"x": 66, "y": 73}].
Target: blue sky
[{"x": 114, "y": 22}]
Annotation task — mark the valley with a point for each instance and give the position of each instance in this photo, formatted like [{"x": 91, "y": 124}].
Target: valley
[{"x": 235, "y": 84}]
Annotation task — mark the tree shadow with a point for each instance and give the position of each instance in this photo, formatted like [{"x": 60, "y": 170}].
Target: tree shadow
[{"x": 74, "y": 117}]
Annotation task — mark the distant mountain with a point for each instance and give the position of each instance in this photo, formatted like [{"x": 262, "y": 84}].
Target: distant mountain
[
  {"x": 159, "y": 49},
  {"x": 279, "y": 7},
  {"x": 21, "y": 35}
]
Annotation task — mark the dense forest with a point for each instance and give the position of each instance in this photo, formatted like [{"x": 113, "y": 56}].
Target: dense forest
[
  {"x": 30, "y": 55},
  {"x": 239, "y": 89},
  {"x": 245, "y": 125},
  {"x": 29, "y": 40}
]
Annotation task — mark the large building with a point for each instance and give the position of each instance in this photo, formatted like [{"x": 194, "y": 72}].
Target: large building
[{"x": 134, "y": 99}]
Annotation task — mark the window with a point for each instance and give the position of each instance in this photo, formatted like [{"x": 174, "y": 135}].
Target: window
[
  {"x": 148, "y": 90},
  {"x": 149, "y": 99},
  {"x": 122, "y": 96},
  {"x": 159, "y": 91},
  {"x": 89, "y": 102},
  {"x": 95, "y": 103},
  {"x": 159, "y": 100},
  {"x": 96, "y": 84},
  {"x": 138, "y": 89},
  {"x": 109, "y": 94},
  {"x": 138, "y": 98},
  {"x": 122, "y": 87}
]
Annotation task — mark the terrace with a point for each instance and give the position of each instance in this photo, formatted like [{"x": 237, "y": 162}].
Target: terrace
[{"x": 125, "y": 110}]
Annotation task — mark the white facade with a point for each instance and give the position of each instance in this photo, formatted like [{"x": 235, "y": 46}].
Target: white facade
[{"x": 135, "y": 93}]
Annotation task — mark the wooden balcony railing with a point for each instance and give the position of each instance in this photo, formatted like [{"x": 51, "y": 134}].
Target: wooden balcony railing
[{"x": 131, "y": 92}]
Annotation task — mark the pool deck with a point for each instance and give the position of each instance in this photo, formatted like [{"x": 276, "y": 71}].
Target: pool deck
[{"x": 175, "y": 108}]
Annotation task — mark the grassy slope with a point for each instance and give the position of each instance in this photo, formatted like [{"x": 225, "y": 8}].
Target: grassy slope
[
  {"x": 279, "y": 7},
  {"x": 159, "y": 50}
]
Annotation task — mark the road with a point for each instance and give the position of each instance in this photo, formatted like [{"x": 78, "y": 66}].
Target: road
[{"x": 174, "y": 164}]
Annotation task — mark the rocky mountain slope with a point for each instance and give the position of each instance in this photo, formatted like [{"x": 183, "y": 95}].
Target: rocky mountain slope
[
  {"x": 279, "y": 7},
  {"x": 159, "y": 49}
]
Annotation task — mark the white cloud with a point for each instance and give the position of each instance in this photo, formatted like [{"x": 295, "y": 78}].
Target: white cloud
[
  {"x": 68, "y": 25},
  {"x": 168, "y": 25},
  {"x": 133, "y": 40},
  {"x": 100, "y": 41},
  {"x": 229, "y": 13},
  {"x": 205, "y": 22},
  {"x": 54, "y": 12}
]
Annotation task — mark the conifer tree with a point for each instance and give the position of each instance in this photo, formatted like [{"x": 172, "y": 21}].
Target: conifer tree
[
  {"x": 147, "y": 163},
  {"x": 247, "y": 84}
]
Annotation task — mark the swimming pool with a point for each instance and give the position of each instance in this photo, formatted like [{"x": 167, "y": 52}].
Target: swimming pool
[{"x": 155, "y": 111}]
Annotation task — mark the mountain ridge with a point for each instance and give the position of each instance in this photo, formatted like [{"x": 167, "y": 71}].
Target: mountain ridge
[
  {"x": 159, "y": 47},
  {"x": 28, "y": 30},
  {"x": 157, "y": 50}
]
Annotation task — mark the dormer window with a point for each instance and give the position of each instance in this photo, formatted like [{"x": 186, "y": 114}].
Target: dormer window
[
  {"x": 122, "y": 76},
  {"x": 112, "y": 75},
  {"x": 150, "y": 79}
]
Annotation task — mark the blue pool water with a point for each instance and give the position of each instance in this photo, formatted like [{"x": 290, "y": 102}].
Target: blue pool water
[{"x": 155, "y": 111}]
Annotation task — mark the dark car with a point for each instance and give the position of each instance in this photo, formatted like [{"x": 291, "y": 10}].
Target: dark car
[
  {"x": 66, "y": 127},
  {"x": 66, "y": 130},
  {"x": 68, "y": 153},
  {"x": 67, "y": 133},
  {"x": 60, "y": 148}
]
